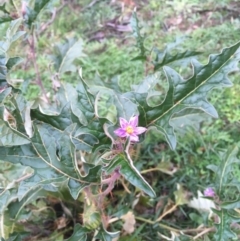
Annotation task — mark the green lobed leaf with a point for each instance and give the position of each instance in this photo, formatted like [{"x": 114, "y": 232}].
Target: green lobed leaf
[
  {"x": 16, "y": 237},
  {"x": 11, "y": 174},
  {"x": 190, "y": 118},
  {"x": 139, "y": 38},
  {"x": 59, "y": 118},
  {"x": 26, "y": 156},
  {"x": 10, "y": 136},
  {"x": 224, "y": 170},
  {"x": 164, "y": 57},
  {"x": 21, "y": 113},
  {"x": 110, "y": 105},
  {"x": 82, "y": 102},
  {"x": 66, "y": 53},
  {"x": 6, "y": 197},
  {"x": 7, "y": 58},
  {"x": 53, "y": 159},
  {"x": 59, "y": 114},
  {"x": 58, "y": 154},
  {"x": 75, "y": 187},
  {"x": 3, "y": 67},
  {"x": 74, "y": 106},
  {"x": 79, "y": 233},
  {"x": 5, "y": 18},
  {"x": 104, "y": 235},
  {"x": 109, "y": 102},
  {"x": 4, "y": 93},
  {"x": 32, "y": 13},
  {"x": 12, "y": 62},
  {"x": 12, "y": 35},
  {"x": 96, "y": 84},
  {"x": 223, "y": 228},
  {"x": 187, "y": 94},
  {"x": 129, "y": 172},
  {"x": 3, "y": 8},
  {"x": 83, "y": 141},
  {"x": 15, "y": 208},
  {"x": 81, "y": 110},
  {"x": 231, "y": 204},
  {"x": 94, "y": 133}
]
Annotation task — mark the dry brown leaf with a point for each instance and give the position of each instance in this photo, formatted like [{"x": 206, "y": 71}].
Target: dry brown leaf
[
  {"x": 115, "y": 239},
  {"x": 61, "y": 222},
  {"x": 201, "y": 204},
  {"x": 129, "y": 222}
]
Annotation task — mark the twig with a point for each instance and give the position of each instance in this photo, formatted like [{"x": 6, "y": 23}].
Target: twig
[
  {"x": 24, "y": 177},
  {"x": 90, "y": 5},
  {"x": 166, "y": 213},
  {"x": 160, "y": 225},
  {"x": 110, "y": 182},
  {"x": 54, "y": 14},
  {"x": 125, "y": 186},
  {"x": 203, "y": 232},
  {"x": 112, "y": 220},
  {"x": 34, "y": 60},
  {"x": 217, "y": 9},
  {"x": 194, "y": 230},
  {"x": 150, "y": 170},
  {"x": 170, "y": 228}
]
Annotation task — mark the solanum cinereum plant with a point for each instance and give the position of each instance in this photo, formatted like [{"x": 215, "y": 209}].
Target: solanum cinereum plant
[{"x": 84, "y": 136}]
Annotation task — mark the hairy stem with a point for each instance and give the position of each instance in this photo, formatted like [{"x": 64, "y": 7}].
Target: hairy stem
[{"x": 34, "y": 61}]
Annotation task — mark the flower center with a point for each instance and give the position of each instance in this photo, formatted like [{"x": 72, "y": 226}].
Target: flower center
[{"x": 129, "y": 130}]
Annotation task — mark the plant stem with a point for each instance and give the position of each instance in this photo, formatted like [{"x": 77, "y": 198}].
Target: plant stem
[
  {"x": 54, "y": 14},
  {"x": 193, "y": 230},
  {"x": 2, "y": 234},
  {"x": 34, "y": 60},
  {"x": 203, "y": 232},
  {"x": 150, "y": 170},
  {"x": 160, "y": 224},
  {"x": 166, "y": 213},
  {"x": 23, "y": 177}
]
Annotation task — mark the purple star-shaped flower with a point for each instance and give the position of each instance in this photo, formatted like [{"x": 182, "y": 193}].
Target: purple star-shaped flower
[
  {"x": 130, "y": 129},
  {"x": 209, "y": 192}
]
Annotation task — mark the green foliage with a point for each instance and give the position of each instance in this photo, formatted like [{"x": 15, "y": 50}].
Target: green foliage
[
  {"x": 7, "y": 58},
  {"x": 66, "y": 53},
  {"x": 65, "y": 140},
  {"x": 80, "y": 233},
  {"x": 181, "y": 94},
  {"x": 224, "y": 231},
  {"x": 106, "y": 236},
  {"x": 226, "y": 182},
  {"x": 32, "y": 12},
  {"x": 130, "y": 173},
  {"x": 139, "y": 38},
  {"x": 5, "y": 15},
  {"x": 165, "y": 58},
  {"x": 223, "y": 172}
]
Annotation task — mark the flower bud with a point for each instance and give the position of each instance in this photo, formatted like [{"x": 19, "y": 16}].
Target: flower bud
[
  {"x": 24, "y": 8},
  {"x": 91, "y": 217}
]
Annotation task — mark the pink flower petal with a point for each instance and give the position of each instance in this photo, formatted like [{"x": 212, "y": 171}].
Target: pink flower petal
[
  {"x": 123, "y": 122},
  {"x": 209, "y": 192},
  {"x": 139, "y": 130},
  {"x": 134, "y": 138},
  {"x": 130, "y": 129},
  {"x": 133, "y": 121},
  {"x": 120, "y": 132}
]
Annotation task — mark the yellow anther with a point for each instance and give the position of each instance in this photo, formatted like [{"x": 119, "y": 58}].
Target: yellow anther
[{"x": 129, "y": 130}]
